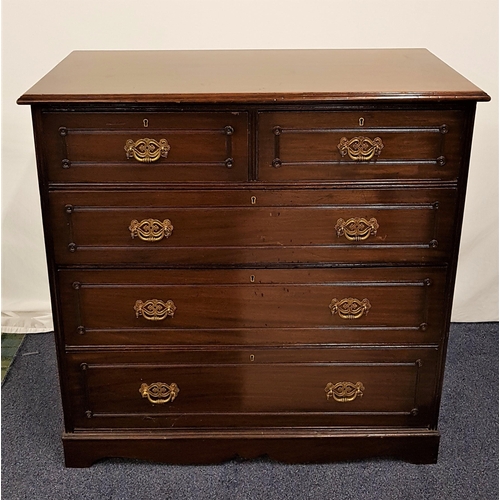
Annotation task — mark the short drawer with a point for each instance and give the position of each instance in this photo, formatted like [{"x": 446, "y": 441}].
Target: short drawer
[
  {"x": 360, "y": 145},
  {"x": 251, "y": 227},
  {"x": 145, "y": 146},
  {"x": 260, "y": 306},
  {"x": 253, "y": 388}
]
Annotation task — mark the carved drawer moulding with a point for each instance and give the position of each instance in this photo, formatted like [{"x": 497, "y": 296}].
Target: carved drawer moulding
[{"x": 245, "y": 265}]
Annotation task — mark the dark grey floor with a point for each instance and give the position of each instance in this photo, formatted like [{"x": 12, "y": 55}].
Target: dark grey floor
[{"x": 32, "y": 460}]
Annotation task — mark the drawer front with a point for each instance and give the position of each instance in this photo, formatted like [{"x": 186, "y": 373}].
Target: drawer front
[
  {"x": 234, "y": 307},
  {"x": 335, "y": 226},
  {"x": 146, "y": 147},
  {"x": 359, "y": 145},
  {"x": 253, "y": 388}
]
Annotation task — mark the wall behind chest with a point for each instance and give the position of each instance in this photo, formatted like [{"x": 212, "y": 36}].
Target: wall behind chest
[{"x": 37, "y": 35}]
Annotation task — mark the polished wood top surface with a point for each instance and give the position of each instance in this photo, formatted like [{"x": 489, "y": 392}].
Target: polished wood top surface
[{"x": 251, "y": 76}]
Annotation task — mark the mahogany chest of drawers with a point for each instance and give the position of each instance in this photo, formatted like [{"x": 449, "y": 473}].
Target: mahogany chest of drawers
[{"x": 252, "y": 253}]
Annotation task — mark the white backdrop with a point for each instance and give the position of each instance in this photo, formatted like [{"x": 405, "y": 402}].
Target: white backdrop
[{"x": 37, "y": 35}]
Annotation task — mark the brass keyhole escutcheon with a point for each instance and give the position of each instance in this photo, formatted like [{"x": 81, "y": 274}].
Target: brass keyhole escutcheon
[
  {"x": 252, "y": 278},
  {"x": 253, "y": 200},
  {"x": 361, "y": 121},
  {"x": 252, "y": 357},
  {"x": 145, "y": 122}
]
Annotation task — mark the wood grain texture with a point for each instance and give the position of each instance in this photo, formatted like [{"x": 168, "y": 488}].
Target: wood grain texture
[
  {"x": 254, "y": 261},
  {"x": 84, "y": 147},
  {"x": 416, "y": 144},
  {"x": 251, "y": 75},
  {"x": 212, "y": 232},
  {"x": 214, "y": 305},
  {"x": 274, "y": 388},
  {"x": 306, "y": 446}
]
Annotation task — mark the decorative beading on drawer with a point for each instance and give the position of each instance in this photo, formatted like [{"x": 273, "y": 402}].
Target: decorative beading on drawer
[
  {"x": 107, "y": 384},
  {"x": 147, "y": 150},
  {"x": 151, "y": 229},
  {"x": 159, "y": 392},
  {"x": 341, "y": 145},
  {"x": 232, "y": 227},
  {"x": 360, "y": 148},
  {"x": 98, "y": 305},
  {"x": 154, "y": 309},
  {"x": 350, "y": 308},
  {"x": 356, "y": 228},
  {"x": 343, "y": 392}
]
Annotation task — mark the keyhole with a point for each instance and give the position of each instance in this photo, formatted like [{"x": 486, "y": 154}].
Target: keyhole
[
  {"x": 145, "y": 122},
  {"x": 361, "y": 121},
  {"x": 253, "y": 199},
  {"x": 252, "y": 278},
  {"x": 252, "y": 357}
]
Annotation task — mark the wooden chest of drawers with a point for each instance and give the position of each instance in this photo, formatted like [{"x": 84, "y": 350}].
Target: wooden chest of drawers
[{"x": 246, "y": 258}]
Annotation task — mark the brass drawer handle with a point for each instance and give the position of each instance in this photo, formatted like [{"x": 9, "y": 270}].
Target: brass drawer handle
[
  {"x": 159, "y": 392},
  {"x": 343, "y": 392},
  {"x": 147, "y": 150},
  {"x": 350, "y": 308},
  {"x": 356, "y": 228},
  {"x": 154, "y": 309},
  {"x": 151, "y": 229},
  {"x": 360, "y": 148}
]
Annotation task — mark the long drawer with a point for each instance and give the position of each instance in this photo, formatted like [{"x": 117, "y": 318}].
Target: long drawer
[
  {"x": 146, "y": 146},
  {"x": 253, "y": 388},
  {"x": 252, "y": 306},
  {"x": 357, "y": 145},
  {"x": 252, "y": 226}
]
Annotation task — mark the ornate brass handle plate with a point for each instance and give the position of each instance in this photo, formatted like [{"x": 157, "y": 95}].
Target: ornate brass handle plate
[
  {"x": 154, "y": 309},
  {"x": 151, "y": 229},
  {"x": 159, "y": 393},
  {"x": 350, "y": 308},
  {"x": 147, "y": 150},
  {"x": 357, "y": 228},
  {"x": 343, "y": 392},
  {"x": 360, "y": 148}
]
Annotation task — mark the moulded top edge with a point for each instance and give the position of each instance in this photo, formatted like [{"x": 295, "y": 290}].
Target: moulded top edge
[{"x": 251, "y": 76}]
